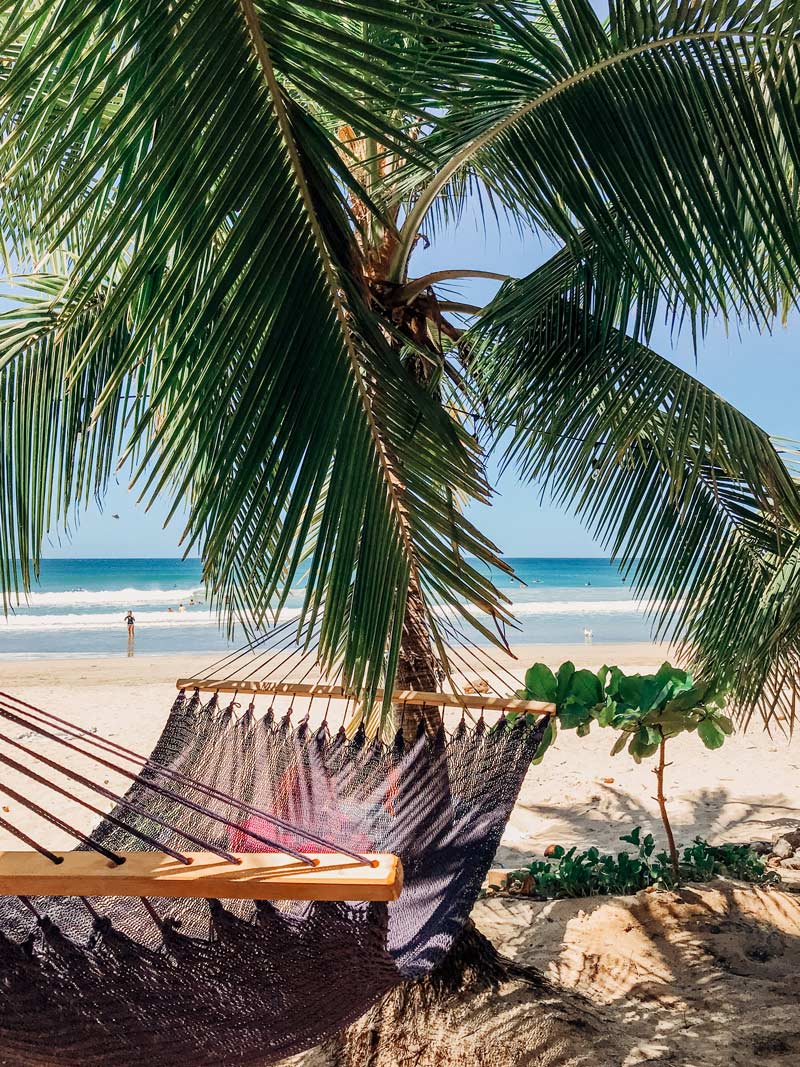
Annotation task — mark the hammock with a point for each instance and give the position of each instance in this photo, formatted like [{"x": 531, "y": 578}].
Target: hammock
[{"x": 210, "y": 983}]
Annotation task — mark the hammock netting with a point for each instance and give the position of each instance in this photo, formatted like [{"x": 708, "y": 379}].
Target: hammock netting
[{"x": 202, "y": 983}]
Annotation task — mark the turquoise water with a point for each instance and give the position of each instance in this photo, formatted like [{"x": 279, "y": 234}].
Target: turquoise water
[{"x": 79, "y": 607}]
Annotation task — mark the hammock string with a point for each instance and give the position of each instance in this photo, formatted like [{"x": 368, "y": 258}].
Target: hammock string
[
  {"x": 158, "y": 846},
  {"x": 120, "y": 751}
]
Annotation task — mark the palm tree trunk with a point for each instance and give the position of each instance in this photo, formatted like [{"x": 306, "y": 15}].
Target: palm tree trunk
[
  {"x": 417, "y": 669},
  {"x": 477, "y": 1009}
]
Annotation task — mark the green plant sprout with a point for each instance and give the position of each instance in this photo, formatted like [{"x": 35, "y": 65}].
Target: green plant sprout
[
  {"x": 646, "y": 709},
  {"x": 569, "y": 873}
]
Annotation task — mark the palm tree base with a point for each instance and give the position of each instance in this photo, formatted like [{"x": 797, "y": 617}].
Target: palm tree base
[{"x": 477, "y": 1009}]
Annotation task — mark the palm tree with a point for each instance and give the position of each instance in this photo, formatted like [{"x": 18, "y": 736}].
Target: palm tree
[{"x": 210, "y": 209}]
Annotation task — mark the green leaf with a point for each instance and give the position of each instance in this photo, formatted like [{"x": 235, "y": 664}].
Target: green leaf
[
  {"x": 540, "y": 683},
  {"x": 654, "y": 690},
  {"x": 584, "y": 688},
  {"x": 572, "y": 716},
  {"x": 630, "y": 689},
  {"x": 673, "y": 723},
  {"x": 725, "y": 724},
  {"x": 710, "y": 733},
  {"x": 688, "y": 700},
  {"x": 633, "y": 838},
  {"x": 649, "y": 737},
  {"x": 564, "y": 677},
  {"x": 548, "y": 737},
  {"x": 604, "y": 714},
  {"x": 619, "y": 744}
]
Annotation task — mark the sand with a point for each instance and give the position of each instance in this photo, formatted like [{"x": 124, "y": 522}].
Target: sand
[
  {"x": 748, "y": 790},
  {"x": 708, "y": 976},
  {"x": 704, "y": 977}
]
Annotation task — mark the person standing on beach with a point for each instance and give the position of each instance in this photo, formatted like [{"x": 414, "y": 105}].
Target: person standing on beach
[{"x": 129, "y": 619}]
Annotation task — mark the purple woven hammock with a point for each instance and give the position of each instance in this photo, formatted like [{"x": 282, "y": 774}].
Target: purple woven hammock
[{"x": 192, "y": 983}]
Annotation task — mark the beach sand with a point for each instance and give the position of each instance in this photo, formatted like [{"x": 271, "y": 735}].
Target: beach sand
[
  {"x": 706, "y": 977},
  {"x": 748, "y": 790}
]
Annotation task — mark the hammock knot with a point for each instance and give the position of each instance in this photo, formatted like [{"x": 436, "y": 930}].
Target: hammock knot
[
  {"x": 267, "y": 915},
  {"x": 223, "y": 921},
  {"x": 105, "y": 936},
  {"x": 440, "y": 740},
  {"x": 360, "y": 737},
  {"x": 399, "y": 744},
  {"x": 56, "y": 941},
  {"x": 322, "y": 737}
]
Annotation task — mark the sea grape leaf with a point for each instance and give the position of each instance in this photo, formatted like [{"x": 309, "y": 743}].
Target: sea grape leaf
[
  {"x": 540, "y": 683},
  {"x": 725, "y": 724},
  {"x": 649, "y": 736},
  {"x": 672, "y": 723},
  {"x": 619, "y": 744},
  {"x": 654, "y": 690},
  {"x": 585, "y": 688},
  {"x": 642, "y": 746},
  {"x": 611, "y": 679},
  {"x": 548, "y": 737},
  {"x": 630, "y": 689},
  {"x": 573, "y": 715},
  {"x": 710, "y": 733},
  {"x": 604, "y": 714},
  {"x": 563, "y": 681},
  {"x": 689, "y": 698}
]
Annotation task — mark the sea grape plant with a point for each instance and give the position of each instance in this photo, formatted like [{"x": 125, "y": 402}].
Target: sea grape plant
[
  {"x": 570, "y": 873},
  {"x": 646, "y": 711}
]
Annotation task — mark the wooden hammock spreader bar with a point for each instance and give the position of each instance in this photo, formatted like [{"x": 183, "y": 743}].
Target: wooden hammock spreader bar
[
  {"x": 259, "y": 876},
  {"x": 399, "y": 696}
]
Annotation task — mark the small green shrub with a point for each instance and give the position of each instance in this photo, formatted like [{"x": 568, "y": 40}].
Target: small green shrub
[
  {"x": 591, "y": 873},
  {"x": 646, "y": 710}
]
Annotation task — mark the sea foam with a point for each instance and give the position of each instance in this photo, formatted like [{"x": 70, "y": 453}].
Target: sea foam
[
  {"x": 126, "y": 598},
  {"x": 105, "y": 621}
]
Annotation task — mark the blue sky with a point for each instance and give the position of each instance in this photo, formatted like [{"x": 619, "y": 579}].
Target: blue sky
[{"x": 758, "y": 373}]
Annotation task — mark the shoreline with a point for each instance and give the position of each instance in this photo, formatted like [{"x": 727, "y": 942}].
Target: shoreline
[
  {"x": 619, "y": 652},
  {"x": 579, "y": 795}
]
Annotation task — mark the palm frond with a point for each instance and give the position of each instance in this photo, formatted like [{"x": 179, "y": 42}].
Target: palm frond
[
  {"x": 206, "y": 210},
  {"x": 669, "y": 136},
  {"x": 690, "y": 496},
  {"x": 54, "y": 459}
]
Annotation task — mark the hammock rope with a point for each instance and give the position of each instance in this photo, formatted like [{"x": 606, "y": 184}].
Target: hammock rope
[
  {"x": 222, "y": 979},
  {"x": 105, "y": 744}
]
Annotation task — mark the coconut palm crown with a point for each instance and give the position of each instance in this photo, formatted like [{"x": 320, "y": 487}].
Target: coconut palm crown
[{"x": 209, "y": 214}]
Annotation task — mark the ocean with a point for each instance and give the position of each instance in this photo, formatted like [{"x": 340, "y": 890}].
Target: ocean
[{"x": 79, "y": 607}]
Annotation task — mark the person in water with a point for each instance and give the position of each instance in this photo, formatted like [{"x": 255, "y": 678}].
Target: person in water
[{"x": 129, "y": 619}]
